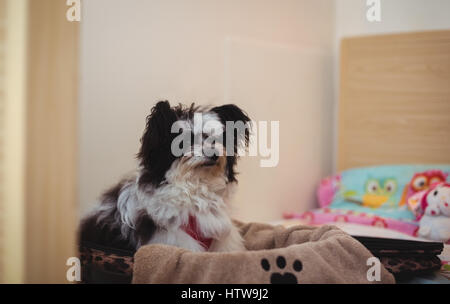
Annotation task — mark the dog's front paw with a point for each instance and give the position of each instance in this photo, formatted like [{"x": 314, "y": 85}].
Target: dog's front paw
[
  {"x": 231, "y": 242},
  {"x": 212, "y": 226}
]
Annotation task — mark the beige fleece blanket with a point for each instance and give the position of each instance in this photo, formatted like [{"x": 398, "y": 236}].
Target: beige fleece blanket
[{"x": 275, "y": 254}]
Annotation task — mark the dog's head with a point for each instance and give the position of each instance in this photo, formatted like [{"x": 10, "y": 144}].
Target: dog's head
[{"x": 182, "y": 142}]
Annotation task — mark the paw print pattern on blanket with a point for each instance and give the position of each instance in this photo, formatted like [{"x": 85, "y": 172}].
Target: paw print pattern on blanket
[{"x": 285, "y": 278}]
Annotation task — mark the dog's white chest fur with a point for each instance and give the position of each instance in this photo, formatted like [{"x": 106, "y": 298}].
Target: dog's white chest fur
[{"x": 171, "y": 205}]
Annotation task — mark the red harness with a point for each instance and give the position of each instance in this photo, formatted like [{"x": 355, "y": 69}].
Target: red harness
[{"x": 192, "y": 230}]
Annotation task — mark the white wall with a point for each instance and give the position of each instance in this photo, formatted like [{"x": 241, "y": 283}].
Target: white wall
[
  {"x": 396, "y": 16},
  {"x": 273, "y": 58},
  {"x": 277, "y": 60}
]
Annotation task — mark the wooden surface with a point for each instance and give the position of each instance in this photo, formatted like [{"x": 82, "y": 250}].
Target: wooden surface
[
  {"x": 394, "y": 105},
  {"x": 51, "y": 141}
]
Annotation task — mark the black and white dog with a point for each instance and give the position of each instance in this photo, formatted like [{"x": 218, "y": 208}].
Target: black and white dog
[{"x": 176, "y": 200}]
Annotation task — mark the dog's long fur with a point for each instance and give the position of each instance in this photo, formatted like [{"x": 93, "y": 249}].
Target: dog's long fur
[{"x": 153, "y": 205}]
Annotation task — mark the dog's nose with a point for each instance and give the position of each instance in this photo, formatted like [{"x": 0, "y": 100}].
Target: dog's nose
[{"x": 214, "y": 157}]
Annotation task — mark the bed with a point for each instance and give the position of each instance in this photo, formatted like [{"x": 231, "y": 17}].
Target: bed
[{"x": 394, "y": 109}]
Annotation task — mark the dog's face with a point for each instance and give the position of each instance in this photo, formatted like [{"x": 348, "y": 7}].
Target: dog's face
[{"x": 179, "y": 143}]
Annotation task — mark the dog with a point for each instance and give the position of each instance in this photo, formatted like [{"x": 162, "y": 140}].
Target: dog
[{"x": 179, "y": 200}]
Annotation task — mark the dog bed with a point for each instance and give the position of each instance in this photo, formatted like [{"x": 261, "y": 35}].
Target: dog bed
[{"x": 275, "y": 254}]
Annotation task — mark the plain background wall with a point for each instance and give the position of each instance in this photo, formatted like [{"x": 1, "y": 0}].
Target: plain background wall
[
  {"x": 272, "y": 58},
  {"x": 396, "y": 16},
  {"x": 276, "y": 59}
]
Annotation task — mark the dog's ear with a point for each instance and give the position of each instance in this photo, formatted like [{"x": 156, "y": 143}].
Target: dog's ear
[
  {"x": 233, "y": 113},
  {"x": 155, "y": 155}
]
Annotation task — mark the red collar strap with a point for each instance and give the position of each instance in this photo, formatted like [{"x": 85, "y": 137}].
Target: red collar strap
[{"x": 192, "y": 230}]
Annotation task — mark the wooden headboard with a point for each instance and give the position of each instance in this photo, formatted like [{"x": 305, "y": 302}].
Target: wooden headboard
[{"x": 394, "y": 105}]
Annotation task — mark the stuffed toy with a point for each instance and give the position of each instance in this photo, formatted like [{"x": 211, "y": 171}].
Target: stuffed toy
[
  {"x": 420, "y": 183},
  {"x": 435, "y": 221}
]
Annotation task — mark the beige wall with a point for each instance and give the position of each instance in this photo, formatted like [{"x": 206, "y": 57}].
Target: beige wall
[
  {"x": 272, "y": 58},
  {"x": 275, "y": 59},
  {"x": 13, "y": 124}
]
